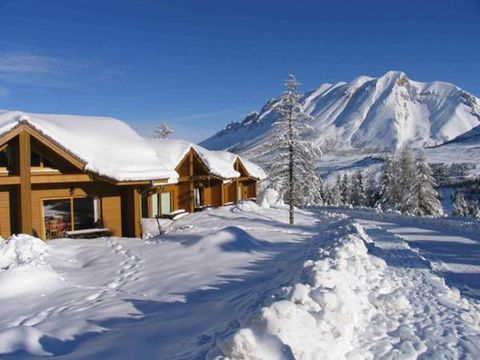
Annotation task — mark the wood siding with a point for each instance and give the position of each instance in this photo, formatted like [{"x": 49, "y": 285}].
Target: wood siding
[
  {"x": 230, "y": 192},
  {"x": 5, "y": 227}
]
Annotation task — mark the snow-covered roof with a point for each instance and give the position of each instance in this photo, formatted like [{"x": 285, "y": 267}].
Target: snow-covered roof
[
  {"x": 253, "y": 169},
  {"x": 107, "y": 146},
  {"x": 169, "y": 152},
  {"x": 112, "y": 149},
  {"x": 172, "y": 151}
]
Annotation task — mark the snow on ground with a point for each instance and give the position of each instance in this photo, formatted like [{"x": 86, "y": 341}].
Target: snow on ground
[{"x": 240, "y": 283}]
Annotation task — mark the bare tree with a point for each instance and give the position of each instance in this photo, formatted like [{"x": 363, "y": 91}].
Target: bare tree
[{"x": 162, "y": 131}]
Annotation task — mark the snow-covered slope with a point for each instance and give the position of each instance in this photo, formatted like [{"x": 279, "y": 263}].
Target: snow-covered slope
[
  {"x": 369, "y": 113},
  {"x": 239, "y": 282},
  {"x": 463, "y": 149}
]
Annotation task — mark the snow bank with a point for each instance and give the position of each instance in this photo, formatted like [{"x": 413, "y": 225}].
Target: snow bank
[
  {"x": 348, "y": 304},
  {"x": 269, "y": 197},
  {"x": 154, "y": 227},
  {"x": 320, "y": 316},
  {"x": 23, "y": 269},
  {"x": 21, "y": 250}
]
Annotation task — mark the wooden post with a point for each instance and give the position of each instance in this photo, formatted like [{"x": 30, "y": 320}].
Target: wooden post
[
  {"x": 25, "y": 183},
  {"x": 192, "y": 189},
  {"x": 137, "y": 213},
  {"x": 222, "y": 194}
]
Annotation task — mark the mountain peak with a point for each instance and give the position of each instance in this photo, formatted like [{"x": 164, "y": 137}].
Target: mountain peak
[
  {"x": 369, "y": 113},
  {"x": 394, "y": 74}
]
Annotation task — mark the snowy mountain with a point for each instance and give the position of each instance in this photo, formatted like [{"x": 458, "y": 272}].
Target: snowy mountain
[
  {"x": 470, "y": 137},
  {"x": 368, "y": 113}
]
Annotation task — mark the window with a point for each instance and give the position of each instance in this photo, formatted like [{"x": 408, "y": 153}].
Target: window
[
  {"x": 239, "y": 193},
  {"x": 197, "y": 197},
  {"x": 155, "y": 205},
  {"x": 166, "y": 201},
  {"x": 85, "y": 213},
  {"x": 57, "y": 216},
  {"x": 35, "y": 160},
  {"x": 161, "y": 204},
  {"x": 4, "y": 157},
  {"x": 40, "y": 161},
  {"x": 68, "y": 214}
]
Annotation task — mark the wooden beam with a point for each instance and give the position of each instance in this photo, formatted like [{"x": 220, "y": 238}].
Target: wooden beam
[
  {"x": 60, "y": 178},
  {"x": 25, "y": 183},
  {"x": 132, "y": 183},
  {"x": 137, "y": 213},
  {"x": 222, "y": 194},
  {"x": 9, "y": 180},
  {"x": 198, "y": 178},
  {"x": 191, "y": 205}
]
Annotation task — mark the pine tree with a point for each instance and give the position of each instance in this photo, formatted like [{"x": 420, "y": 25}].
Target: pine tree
[
  {"x": 390, "y": 192},
  {"x": 473, "y": 208},
  {"x": 162, "y": 131},
  {"x": 293, "y": 172},
  {"x": 372, "y": 189},
  {"x": 327, "y": 194},
  {"x": 345, "y": 190},
  {"x": 405, "y": 180},
  {"x": 335, "y": 193},
  {"x": 358, "y": 193},
  {"x": 423, "y": 198},
  {"x": 460, "y": 207}
]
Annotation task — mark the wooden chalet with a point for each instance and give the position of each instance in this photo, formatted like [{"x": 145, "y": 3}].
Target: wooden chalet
[{"x": 89, "y": 176}]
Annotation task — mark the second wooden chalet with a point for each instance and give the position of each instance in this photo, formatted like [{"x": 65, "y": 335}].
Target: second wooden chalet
[{"x": 206, "y": 178}]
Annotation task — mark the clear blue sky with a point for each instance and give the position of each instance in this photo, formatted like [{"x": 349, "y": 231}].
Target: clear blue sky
[{"x": 201, "y": 64}]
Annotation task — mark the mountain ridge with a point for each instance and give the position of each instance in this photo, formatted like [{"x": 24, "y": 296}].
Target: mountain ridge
[{"x": 369, "y": 113}]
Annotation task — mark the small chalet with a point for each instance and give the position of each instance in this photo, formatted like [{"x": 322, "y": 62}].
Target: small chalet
[{"x": 63, "y": 175}]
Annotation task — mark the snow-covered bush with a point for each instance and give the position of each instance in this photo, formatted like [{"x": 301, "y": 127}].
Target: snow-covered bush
[
  {"x": 269, "y": 197},
  {"x": 20, "y": 250}
]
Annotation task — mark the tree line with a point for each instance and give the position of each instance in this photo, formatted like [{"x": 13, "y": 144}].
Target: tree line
[{"x": 405, "y": 184}]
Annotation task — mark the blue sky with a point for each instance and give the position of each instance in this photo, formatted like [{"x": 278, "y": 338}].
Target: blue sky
[{"x": 200, "y": 64}]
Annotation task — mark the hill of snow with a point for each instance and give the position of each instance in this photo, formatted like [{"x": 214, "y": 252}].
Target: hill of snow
[{"x": 382, "y": 113}]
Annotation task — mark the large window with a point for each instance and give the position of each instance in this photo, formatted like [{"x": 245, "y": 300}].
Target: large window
[{"x": 69, "y": 214}]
